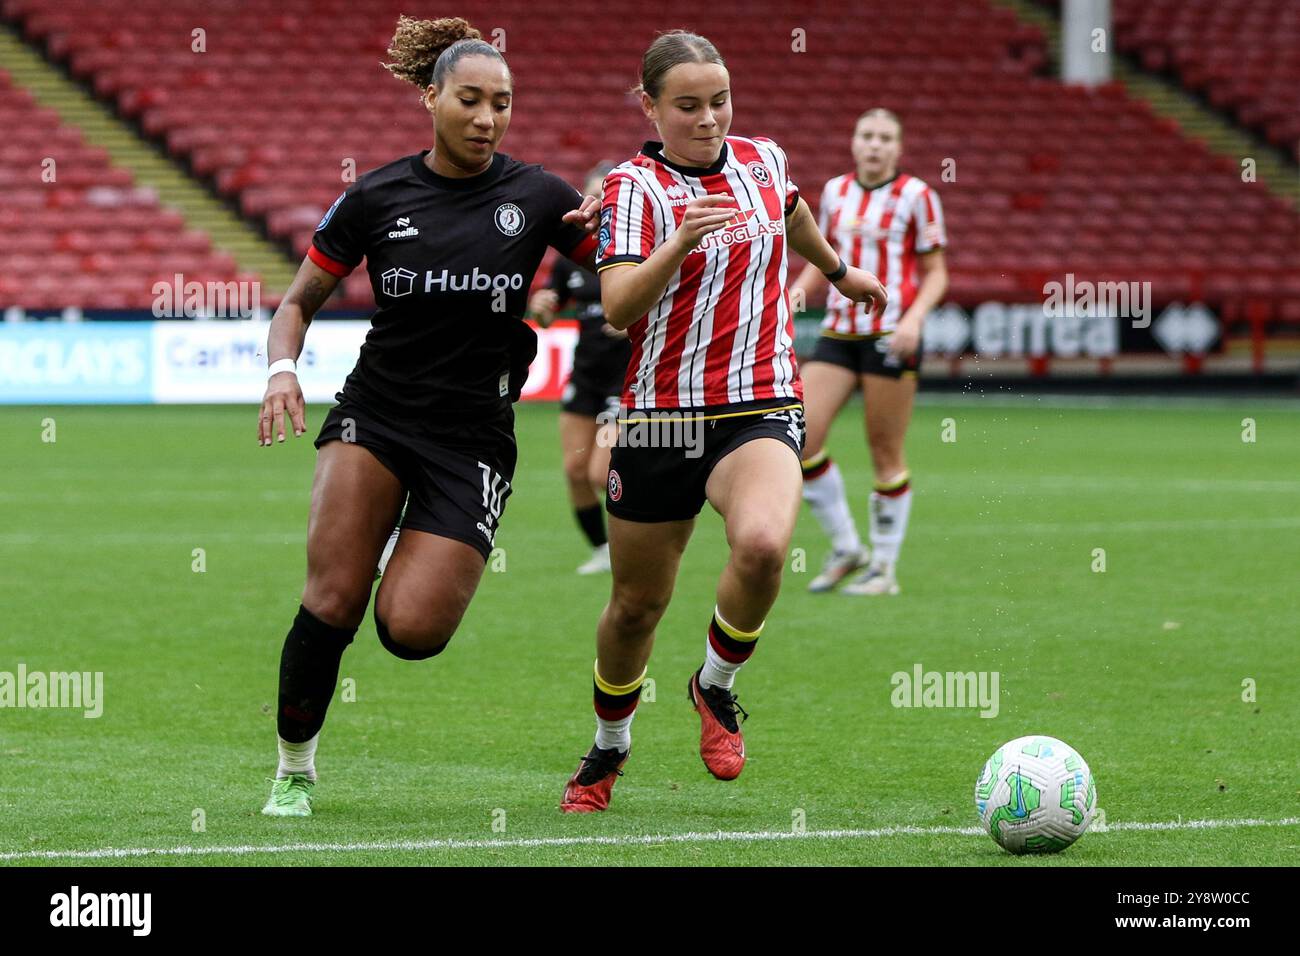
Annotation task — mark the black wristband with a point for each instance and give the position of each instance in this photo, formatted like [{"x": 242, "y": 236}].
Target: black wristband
[{"x": 839, "y": 273}]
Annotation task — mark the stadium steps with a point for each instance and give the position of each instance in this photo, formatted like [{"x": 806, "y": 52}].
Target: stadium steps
[
  {"x": 175, "y": 188},
  {"x": 1168, "y": 99}
]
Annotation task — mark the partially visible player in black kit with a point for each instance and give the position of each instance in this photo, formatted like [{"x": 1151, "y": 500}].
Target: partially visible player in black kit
[
  {"x": 452, "y": 237},
  {"x": 590, "y": 403}
]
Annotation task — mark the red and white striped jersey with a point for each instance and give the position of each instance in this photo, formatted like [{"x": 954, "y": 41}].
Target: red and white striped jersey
[
  {"x": 723, "y": 332},
  {"x": 881, "y": 230}
]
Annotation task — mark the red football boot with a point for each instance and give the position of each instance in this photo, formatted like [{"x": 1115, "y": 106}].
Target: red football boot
[
  {"x": 721, "y": 745},
  {"x": 589, "y": 789}
]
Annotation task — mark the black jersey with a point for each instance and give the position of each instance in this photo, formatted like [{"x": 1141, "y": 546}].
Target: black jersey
[
  {"x": 450, "y": 263},
  {"x": 598, "y": 357}
]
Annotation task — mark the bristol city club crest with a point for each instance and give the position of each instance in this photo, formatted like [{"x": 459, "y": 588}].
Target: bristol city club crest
[{"x": 509, "y": 219}]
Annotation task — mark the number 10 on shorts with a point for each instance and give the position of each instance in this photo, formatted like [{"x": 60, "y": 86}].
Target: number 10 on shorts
[{"x": 495, "y": 490}]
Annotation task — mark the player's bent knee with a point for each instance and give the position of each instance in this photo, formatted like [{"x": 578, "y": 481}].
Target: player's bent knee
[
  {"x": 576, "y": 471},
  {"x": 335, "y": 606},
  {"x": 412, "y": 644},
  {"x": 759, "y": 554},
  {"x": 636, "y": 613}
]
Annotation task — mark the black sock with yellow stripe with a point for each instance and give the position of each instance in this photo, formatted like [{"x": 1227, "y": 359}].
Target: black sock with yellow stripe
[
  {"x": 728, "y": 647},
  {"x": 615, "y": 707}
]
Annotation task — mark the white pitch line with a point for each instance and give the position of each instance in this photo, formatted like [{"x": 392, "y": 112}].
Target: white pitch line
[{"x": 717, "y": 836}]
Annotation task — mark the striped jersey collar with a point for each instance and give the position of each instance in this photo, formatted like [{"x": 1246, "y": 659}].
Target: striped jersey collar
[{"x": 654, "y": 150}]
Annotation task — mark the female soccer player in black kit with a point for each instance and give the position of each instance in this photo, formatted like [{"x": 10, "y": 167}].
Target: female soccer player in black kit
[
  {"x": 452, "y": 237},
  {"x": 590, "y": 403}
]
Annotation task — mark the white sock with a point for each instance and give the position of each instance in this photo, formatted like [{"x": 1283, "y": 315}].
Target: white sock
[
  {"x": 615, "y": 734},
  {"x": 297, "y": 758},
  {"x": 889, "y": 519},
  {"x": 717, "y": 670},
  {"x": 830, "y": 506}
]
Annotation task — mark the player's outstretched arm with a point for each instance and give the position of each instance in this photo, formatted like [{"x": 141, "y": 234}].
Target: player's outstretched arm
[
  {"x": 629, "y": 290},
  {"x": 807, "y": 240},
  {"x": 308, "y": 291}
]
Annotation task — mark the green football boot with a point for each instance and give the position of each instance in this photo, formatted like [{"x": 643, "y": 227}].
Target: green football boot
[{"x": 290, "y": 796}]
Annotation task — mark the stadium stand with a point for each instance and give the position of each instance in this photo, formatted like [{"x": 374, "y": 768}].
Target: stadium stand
[
  {"x": 1038, "y": 178},
  {"x": 1243, "y": 56},
  {"x": 91, "y": 237}
]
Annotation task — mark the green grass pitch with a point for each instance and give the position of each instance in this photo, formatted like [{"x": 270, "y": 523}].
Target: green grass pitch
[{"x": 461, "y": 760}]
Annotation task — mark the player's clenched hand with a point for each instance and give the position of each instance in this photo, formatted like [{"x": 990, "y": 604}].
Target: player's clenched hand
[
  {"x": 703, "y": 216},
  {"x": 283, "y": 394},
  {"x": 861, "y": 286},
  {"x": 586, "y": 215},
  {"x": 542, "y": 306}
]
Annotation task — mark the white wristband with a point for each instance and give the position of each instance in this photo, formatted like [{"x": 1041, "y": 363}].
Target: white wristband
[{"x": 282, "y": 365}]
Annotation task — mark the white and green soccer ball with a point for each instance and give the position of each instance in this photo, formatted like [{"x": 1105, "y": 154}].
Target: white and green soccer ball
[{"x": 1035, "y": 795}]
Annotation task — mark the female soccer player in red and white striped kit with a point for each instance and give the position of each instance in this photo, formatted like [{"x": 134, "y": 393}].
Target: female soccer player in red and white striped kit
[
  {"x": 892, "y": 224},
  {"x": 692, "y": 261}
]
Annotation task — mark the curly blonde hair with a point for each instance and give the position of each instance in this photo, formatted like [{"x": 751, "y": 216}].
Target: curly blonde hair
[{"x": 418, "y": 49}]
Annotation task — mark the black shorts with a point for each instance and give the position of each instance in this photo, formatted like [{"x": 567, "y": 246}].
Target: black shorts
[
  {"x": 868, "y": 355},
  {"x": 658, "y": 470},
  {"x": 591, "y": 399},
  {"x": 455, "y": 489}
]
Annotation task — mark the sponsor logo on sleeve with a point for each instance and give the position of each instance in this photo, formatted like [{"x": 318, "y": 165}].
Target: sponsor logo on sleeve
[
  {"x": 329, "y": 213},
  {"x": 603, "y": 239}
]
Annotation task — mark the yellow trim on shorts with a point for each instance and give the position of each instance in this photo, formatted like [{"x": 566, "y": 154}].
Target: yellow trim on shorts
[
  {"x": 851, "y": 337},
  {"x": 708, "y": 418},
  {"x": 618, "y": 690}
]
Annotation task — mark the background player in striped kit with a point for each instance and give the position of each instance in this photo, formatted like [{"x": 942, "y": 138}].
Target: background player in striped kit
[
  {"x": 451, "y": 238},
  {"x": 692, "y": 260},
  {"x": 589, "y": 405},
  {"x": 892, "y": 224}
]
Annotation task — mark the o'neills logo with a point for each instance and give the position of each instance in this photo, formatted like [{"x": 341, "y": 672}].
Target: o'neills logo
[
  {"x": 746, "y": 228},
  {"x": 470, "y": 281},
  {"x": 404, "y": 229}
]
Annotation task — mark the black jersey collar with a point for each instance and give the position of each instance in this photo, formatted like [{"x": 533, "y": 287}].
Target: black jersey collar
[
  {"x": 489, "y": 175},
  {"x": 872, "y": 189},
  {"x": 655, "y": 151}
]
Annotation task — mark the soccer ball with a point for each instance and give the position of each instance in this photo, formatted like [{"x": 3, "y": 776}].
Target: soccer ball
[{"x": 1035, "y": 795}]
